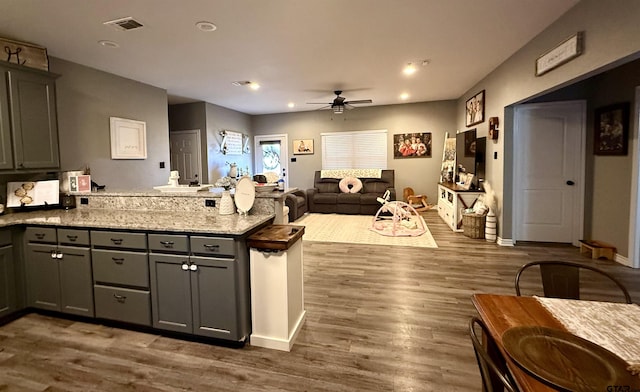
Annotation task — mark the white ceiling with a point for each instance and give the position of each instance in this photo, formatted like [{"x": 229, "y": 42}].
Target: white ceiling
[{"x": 297, "y": 50}]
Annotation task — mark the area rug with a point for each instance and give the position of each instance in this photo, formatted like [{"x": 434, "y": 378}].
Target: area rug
[{"x": 354, "y": 229}]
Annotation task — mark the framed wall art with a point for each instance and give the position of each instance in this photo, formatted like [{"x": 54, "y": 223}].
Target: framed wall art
[
  {"x": 128, "y": 139},
  {"x": 611, "y": 130},
  {"x": 302, "y": 146},
  {"x": 475, "y": 109},
  {"x": 412, "y": 145}
]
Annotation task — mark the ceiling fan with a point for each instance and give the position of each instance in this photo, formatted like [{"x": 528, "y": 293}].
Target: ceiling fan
[{"x": 339, "y": 103}]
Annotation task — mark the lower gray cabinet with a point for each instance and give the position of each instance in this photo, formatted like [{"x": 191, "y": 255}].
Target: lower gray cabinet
[
  {"x": 8, "y": 297},
  {"x": 194, "y": 295},
  {"x": 58, "y": 277}
]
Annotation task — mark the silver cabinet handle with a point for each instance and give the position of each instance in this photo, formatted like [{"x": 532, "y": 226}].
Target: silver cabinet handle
[
  {"x": 117, "y": 260},
  {"x": 167, "y": 244},
  {"x": 72, "y": 237},
  {"x": 185, "y": 267},
  {"x": 116, "y": 241},
  {"x": 193, "y": 267},
  {"x": 59, "y": 255},
  {"x": 119, "y": 298},
  {"x": 54, "y": 254}
]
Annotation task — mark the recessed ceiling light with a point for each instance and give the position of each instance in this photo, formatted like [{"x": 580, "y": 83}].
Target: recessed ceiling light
[
  {"x": 254, "y": 86},
  {"x": 109, "y": 44},
  {"x": 291, "y": 105},
  {"x": 410, "y": 69},
  {"x": 404, "y": 96},
  {"x": 206, "y": 26}
]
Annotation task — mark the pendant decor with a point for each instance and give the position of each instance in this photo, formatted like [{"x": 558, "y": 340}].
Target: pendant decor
[
  {"x": 226, "y": 204},
  {"x": 490, "y": 226}
]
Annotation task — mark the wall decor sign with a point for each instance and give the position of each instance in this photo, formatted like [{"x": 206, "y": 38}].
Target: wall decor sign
[
  {"x": 128, "y": 139},
  {"x": 302, "y": 146},
  {"x": 23, "y": 53},
  {"x": 475, "y": 109},
  {"x": 567, "y": 50},
  {"x": 232, "y": 143},
  {"x": 611, "y": 130},
  {"x": 412, "y": 145}
]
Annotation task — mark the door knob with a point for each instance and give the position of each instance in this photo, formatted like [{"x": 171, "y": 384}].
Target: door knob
[
  {"x": 193, "y": 267},
  {"x": 569, "y": 182},
  {"x": 185, "y": 267}
]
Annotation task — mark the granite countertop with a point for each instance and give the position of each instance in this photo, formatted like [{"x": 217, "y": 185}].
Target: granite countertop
[
  {"x": 212, "y": 192},
  {"x": 234, "y": 225}
]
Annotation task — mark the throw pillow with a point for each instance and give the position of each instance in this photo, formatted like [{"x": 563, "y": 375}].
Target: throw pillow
[{"x": 350, "y": 185}]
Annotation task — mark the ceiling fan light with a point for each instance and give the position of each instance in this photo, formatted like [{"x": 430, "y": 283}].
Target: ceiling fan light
[
  {"x": 338, "y": 109},
  {"x": 410, "y": 69}
]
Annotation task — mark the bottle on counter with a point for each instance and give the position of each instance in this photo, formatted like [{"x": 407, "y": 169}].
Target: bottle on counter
[{"x": 281, "y": 184}]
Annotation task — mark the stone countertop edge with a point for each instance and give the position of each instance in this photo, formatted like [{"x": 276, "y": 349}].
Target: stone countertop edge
[
  {"x": 165, "y": 221},
  {"x": 213, "y": 192}
]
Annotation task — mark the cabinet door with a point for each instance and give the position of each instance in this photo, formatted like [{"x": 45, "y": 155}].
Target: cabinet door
[
  {"x": 213, "y": 293},
  {"x": 7, "y": 281},
  {"x": 170, "y": 292},
  {"x": 76, "y": 283},
  {"x": 43, "y": 287},
  {"x": 6, "y": 156},
  {"x": 33, "y": 120}
]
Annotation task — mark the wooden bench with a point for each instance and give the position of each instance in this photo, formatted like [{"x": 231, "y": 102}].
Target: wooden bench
[{"x": 598, "y": 249}]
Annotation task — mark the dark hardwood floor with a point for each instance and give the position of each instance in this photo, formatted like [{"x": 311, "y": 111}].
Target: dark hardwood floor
[{"x": 378, "y": 319}]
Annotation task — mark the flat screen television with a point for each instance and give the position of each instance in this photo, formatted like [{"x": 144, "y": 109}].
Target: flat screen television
[{"x": 471, "y": 156}]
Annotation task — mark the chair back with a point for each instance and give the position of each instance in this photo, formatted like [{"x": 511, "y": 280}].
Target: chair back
[
  {"x": 491, "y": 374},
  {"x": 561, "y": 279}
]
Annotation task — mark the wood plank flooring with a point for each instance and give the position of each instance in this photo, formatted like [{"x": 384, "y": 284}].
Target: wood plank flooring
[{"x": 378, "y": 319}]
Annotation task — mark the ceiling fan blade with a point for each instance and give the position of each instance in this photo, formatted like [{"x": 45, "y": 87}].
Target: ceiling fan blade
[
  {"x": 318, "y": 103},
  {"x": 359, "y": 101}
]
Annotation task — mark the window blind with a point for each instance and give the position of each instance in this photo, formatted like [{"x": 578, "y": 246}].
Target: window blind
[{"x": 354, "y": 150}]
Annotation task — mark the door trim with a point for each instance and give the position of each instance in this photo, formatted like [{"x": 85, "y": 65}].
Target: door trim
[
  {"x": 199, "y": 149},
  {"x": 633, "y": 259},
  {"x": 284, "y": 152},
  {"x": 578, "y": 208}
]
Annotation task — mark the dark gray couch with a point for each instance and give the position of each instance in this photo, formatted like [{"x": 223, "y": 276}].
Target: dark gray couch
[{"x": 326, "y": 197}]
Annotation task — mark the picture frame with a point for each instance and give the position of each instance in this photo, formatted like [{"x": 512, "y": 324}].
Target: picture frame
[
  {"x": 302, "y": 146},
  {"x": 128, "y": 138},
  {"x": 475, "y": 109},
  {"x": 564, "y": 52},
  {"x": 412, "y": 145},
  {"x": 611, "y": 130}
]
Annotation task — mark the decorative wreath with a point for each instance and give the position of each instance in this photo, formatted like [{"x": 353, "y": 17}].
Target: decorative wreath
[{"x": 350, "y": 185}]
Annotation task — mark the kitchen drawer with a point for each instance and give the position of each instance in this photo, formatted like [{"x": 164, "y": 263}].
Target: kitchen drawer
[
  {"x": 41, "y": 234},
  {"x": 73, "y": 237},
  {"x": 5, "y": 237},
  {"x": 120, "y": 267},
  {"x": 118, "y": 239},
  {"x": 213, "y": 246},
  {"x": 169, "y": 243},
  {"x": 130, "y": 306}
]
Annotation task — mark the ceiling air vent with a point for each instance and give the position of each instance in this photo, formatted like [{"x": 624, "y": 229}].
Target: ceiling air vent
[{"x": 124, "y": 24}]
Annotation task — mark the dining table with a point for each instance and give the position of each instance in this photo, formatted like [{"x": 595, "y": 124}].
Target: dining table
[{"x": 509, "y": 318}]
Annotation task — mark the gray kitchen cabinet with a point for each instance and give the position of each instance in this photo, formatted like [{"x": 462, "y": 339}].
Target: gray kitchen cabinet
[
  {"x": 59, "y": 277},
  {"x": 200, "y": 292},
  {"x": 28, "y": 121},
  {"x": 121, "y": 276},
  {"x": 8, "y": 297}
]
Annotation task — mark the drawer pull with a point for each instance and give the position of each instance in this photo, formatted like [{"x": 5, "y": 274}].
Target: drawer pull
[
  {"x": 117, "y": 260},
  {"x": 39, "y": 235},
  {"x": 211, "y": 247},
  {"x": 167, "y": 244},
  {"x": 116, "y": 241},
  {"x": 185, "y": 267},
  {"x": 72, "y": 237},
  {"x": 119, "y": 298},
  {"x": 59, "y": 255},
  {"x": 193, "y": 267},
  {"x": 53, "y": 254}
]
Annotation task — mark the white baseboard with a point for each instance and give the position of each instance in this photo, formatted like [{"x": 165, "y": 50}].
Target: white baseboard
[
  {"x": 278, "y": 343},
  {"x": 623, "y": 260},
  {"x": 505, "y": 241}
]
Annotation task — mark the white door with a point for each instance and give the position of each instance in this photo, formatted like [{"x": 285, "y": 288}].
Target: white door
[
  {"x": 549, "y": 148},
  {"x": 271, "y": 155},
  {"x": 185, "y": 155}
]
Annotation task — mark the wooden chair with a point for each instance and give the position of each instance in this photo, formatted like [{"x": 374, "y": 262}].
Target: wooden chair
[
  {"x": 494, "y": 378},
  {"x": 561, "y": 279}
]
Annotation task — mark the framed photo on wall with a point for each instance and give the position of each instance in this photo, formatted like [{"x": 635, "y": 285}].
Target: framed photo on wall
[
  {"x": 611, "y": 130},
  {"x": 412, "y": 145},
  {"x": 128, "y": 139},
  {"x": 302, "y": 146},
  {"x": 475, "y": 109}
]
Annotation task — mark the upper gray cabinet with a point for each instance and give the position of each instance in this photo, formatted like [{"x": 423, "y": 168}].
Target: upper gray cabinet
[{"x": 28, "y": 123}]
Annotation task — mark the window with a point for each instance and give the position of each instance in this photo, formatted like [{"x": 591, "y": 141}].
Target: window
[{"x": 354, "y": 150}]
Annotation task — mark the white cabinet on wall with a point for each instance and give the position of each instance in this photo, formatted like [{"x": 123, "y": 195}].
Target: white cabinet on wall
[{"x": 452, "y": 201}]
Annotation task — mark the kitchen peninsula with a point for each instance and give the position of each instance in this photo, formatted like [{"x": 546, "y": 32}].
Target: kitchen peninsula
[{"x": 159, "y": 260}]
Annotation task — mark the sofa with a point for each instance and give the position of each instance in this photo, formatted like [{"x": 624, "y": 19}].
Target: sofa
[
  {"x": 327, "y": 197},
  {"x": 297, "y": 203}
]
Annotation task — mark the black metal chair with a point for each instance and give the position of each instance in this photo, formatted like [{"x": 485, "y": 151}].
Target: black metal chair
[
  {"x": 561, "y": 279},
  {"x": 492, "y": 375}
]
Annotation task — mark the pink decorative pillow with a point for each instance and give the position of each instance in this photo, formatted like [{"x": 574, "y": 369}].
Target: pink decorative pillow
[{"x": 350, "y": 185}]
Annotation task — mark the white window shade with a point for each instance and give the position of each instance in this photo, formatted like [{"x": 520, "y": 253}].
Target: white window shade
[{"x": 354, "y": 150}]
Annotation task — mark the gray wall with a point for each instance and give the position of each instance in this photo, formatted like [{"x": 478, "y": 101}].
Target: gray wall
[
  {"x": 421, "y": 174},
  {"x": 611, "y": 38},
  {"x": 86, "y": 99},
  {"x": 187, "y": 117}
]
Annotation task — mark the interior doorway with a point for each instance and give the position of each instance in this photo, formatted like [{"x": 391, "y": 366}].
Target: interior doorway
[
  {"x": 271, "y": 155},
  {"x": 186, "y": 156},
  {"x": 549, "y": 172}
]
